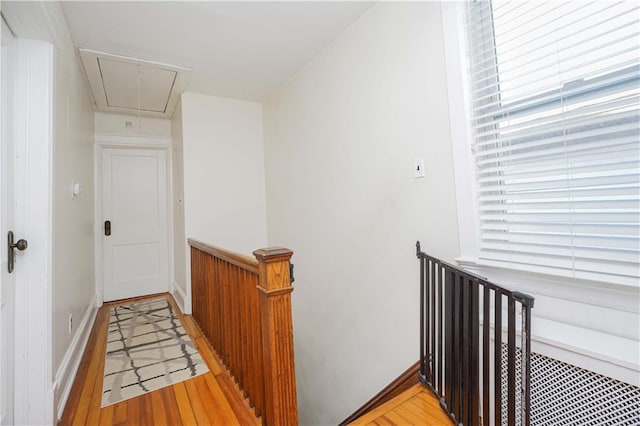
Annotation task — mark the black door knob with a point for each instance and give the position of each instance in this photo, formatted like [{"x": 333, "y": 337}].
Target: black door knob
[{"x": 20, "y": 245}]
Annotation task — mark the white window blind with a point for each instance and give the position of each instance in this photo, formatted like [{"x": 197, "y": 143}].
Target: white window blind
[{"x": 555, "y": 117}]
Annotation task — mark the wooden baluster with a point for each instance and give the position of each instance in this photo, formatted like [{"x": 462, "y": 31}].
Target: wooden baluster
[
  {"x": 216, "y": 306},
  {"x": 224, "y": 313},
  {"x": 231, "y": 322},
  {"x": 249, "y": 330},
  {"x": 257, "y": 368},
  {"x": 246, "y": 330},
  {"x": 206, "y": 294},
  {"x": 204, "y": 291},
  {"x": 277, "y": 337},
  {"x": 246, "y": 318},
  {"x": 237, "y": 331},
  {"x": 195, "y": 285},
  {"x": 242, "y": 337},
  {"x": 212, "y": 285}
]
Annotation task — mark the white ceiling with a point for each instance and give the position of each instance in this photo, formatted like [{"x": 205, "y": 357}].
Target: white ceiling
[{"x": 244, "y": 50}]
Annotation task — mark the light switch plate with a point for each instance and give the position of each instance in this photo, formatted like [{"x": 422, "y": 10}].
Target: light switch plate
[
  {"x": 76, "y": 189},
  {"x": 418, "y": 167}
]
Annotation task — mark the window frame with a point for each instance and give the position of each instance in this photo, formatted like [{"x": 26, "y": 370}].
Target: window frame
[
  {"x": 555, "y": 289},
  {"x": 464, "y": 161}
]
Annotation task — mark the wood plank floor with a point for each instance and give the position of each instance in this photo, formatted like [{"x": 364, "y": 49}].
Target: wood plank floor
[
  {"x": 209, "y": 399},
  {"x": 415, "y": 406}
]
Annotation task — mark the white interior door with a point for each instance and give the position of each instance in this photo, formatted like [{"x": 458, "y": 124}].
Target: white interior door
[
  {"x": 134, "y": 207},
  {"x": 7, "y": 203}
]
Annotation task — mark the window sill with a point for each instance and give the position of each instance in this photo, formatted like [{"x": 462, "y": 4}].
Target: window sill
[{"x": 609, "y": 295}]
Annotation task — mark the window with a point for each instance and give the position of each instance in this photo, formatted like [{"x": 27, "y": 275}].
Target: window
[{"x": 555, "y": 95}]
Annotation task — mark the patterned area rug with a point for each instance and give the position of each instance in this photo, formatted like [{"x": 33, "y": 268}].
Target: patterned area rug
[{"x": 147, "y": 349}]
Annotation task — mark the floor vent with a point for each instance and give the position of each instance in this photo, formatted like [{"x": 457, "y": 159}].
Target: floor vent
[{"x": 562, "y": 394}]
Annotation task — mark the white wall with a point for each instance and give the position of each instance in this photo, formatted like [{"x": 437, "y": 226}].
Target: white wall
[
  {"x": 224, "y": 192},
  {"x": 179, "y": 240},
  {"x": 73, "y": 281},
  {"x": 116, "y": 124},
  {"x": 340, "y": 140}
]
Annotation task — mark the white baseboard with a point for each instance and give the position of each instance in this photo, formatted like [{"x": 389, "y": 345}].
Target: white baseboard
[
  {"x": 179, "y": 295},
  {"x": 99, "y": 301},
  {"x": 71, "y": 361}
]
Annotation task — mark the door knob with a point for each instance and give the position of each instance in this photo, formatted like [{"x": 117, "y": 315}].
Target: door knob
[{"x": 20, "y": 245}]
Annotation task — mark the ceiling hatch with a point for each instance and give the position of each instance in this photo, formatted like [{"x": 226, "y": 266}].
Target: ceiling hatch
[{"x": 134, "y": 86}]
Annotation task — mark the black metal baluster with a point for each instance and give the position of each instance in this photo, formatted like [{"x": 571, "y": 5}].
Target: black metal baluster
[
  {"x": 432, "y": 357},
  {"x": 475, "y": 353},
  {"x": 457, "y": 346},
  {"x": 448, "y": 335},
  {"x": 497, "y": 359},
  {"x": 527, "y": 305},
  {"x": 440, "y": 330},
  {"x": 511, "y": 361},
  {"x": 486, "y": 308},
  {"x": 465, "y": 352},
  {"x": 422, "y": 286}
]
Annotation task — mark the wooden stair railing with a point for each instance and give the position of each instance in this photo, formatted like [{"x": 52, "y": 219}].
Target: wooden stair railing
[{"x": 243, "y": 307}]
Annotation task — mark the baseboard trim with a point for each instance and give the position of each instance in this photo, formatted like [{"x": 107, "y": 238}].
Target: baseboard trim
[
  {"x": 407, "y": 379},
  {"x": 178, "y": 295},
  {"x": 69, "y": 367}
]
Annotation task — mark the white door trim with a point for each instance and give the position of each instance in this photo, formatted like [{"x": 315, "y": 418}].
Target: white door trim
[
  {"x": 106, "y": 141},
  {"x": 8, "y": 65},
  {"x": 33, "y": 221},
  {"x": 112, "y": 140}
]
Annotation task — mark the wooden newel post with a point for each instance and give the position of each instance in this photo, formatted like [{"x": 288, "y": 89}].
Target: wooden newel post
[{"x": 277, "y": 337}]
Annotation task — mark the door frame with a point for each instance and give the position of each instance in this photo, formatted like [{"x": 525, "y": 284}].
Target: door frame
[
  {"x": 33, "y": 120},
  {"x": 8, "y": 63},
  {"x": 116, "y": 141}
]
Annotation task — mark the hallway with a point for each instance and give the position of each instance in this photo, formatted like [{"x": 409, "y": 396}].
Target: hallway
[
  {"x": 211, "y": 398},
  {"x": 345, "y": 131}
]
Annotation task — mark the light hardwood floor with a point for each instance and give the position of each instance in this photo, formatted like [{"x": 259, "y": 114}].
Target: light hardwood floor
[
  {"x": 415, "y": 406},
  {"x": 209, "y": 399}
]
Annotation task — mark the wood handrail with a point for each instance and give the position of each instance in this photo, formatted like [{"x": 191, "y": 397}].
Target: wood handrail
[
  {"x": 245, "y": 262},
  {"x": 243, "y": 307}
]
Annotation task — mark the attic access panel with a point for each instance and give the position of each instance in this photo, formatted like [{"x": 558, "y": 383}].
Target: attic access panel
[
  {"x": 128, "y": 85},
  {"x": 123, "y": 82}
]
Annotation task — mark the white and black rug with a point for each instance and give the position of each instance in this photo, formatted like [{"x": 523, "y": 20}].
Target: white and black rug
[{"x": 147, "y": 349}]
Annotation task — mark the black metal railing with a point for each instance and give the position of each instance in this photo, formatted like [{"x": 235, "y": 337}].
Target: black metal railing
[{"x": 461, "y": 357}]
